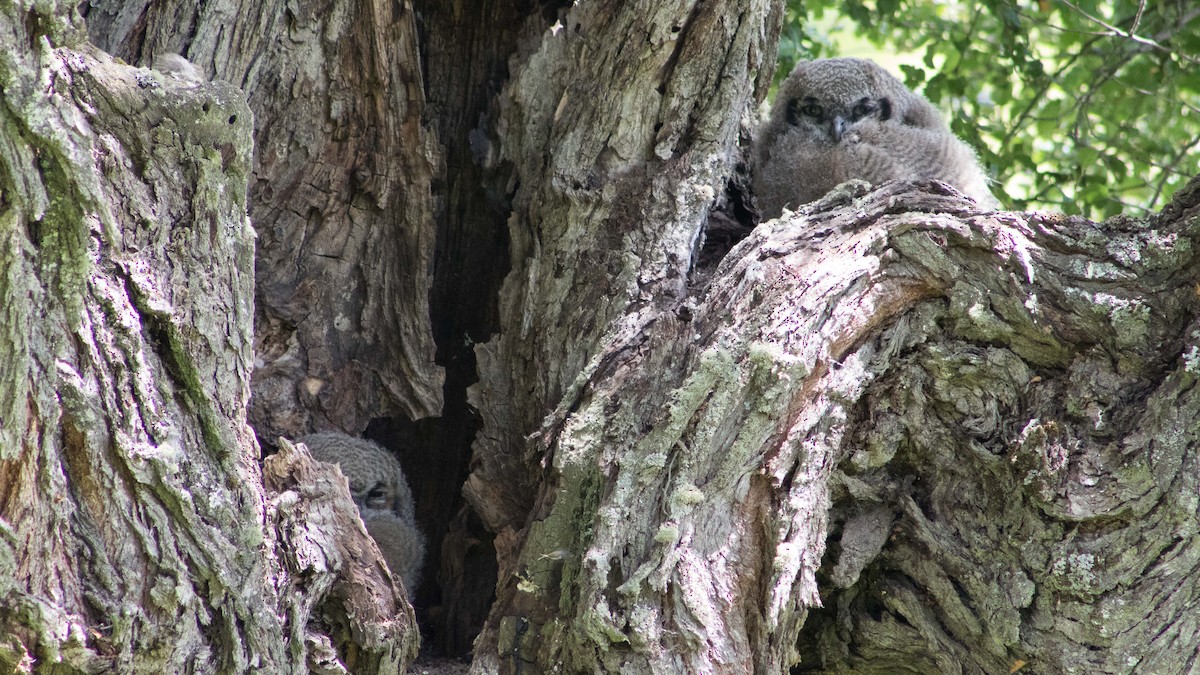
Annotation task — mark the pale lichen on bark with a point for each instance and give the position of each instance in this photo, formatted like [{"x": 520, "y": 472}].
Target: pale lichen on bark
[{"x": 593, "y": 169}]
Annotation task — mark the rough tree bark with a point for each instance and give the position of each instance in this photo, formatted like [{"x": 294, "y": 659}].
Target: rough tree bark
[
  {"x": 890, "y": 433},
  {"x": 939, "y": 440},
  {"x": 340, "y": 196},
  {"x": 134, "y": 533},
  {"x": 618, "y": 153}
]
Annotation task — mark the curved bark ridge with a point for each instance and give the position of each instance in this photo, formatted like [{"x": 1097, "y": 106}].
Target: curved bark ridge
[
  {"x": 1033, "y": 457},
  {"x": 945, "y": 396}
]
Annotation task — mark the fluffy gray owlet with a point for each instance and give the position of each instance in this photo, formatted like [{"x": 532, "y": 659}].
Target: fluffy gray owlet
[
  {"x": 838, "y": 119},
  {"x": 383, "y": 497}
]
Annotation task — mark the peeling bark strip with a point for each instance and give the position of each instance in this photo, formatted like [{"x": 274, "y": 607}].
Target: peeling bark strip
[
  {"x": 340, "y": 196},
  {"x": 989, "y": 417}
]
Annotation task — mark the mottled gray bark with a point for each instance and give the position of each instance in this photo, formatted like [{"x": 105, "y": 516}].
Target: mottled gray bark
[
  {"x": 938, "y": 440},
  {"x": 1031, "y": 430},
  {"x": 134, "y": 534},
  {"x": 620, "y": 126}
]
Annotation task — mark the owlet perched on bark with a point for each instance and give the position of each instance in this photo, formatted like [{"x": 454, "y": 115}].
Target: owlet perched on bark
[
  {"x": 838, "y": 119},
  {"x": 383, "y": 497}
]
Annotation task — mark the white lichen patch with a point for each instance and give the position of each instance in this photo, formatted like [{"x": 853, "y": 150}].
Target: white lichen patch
[
  {"x": 684, "y": 497},
  {"x": 1076, "y": 571},
  {"x": 1130, "y": 318},
  {"x": 1191, "y": 360}
]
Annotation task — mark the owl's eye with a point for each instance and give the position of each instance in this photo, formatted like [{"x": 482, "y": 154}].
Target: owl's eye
[
  {"x": 812, "y": 110},
  {"x": 799, "y": 109},
  {"x": 378, "y": 497},
  {"x": 863, "y": 108}
]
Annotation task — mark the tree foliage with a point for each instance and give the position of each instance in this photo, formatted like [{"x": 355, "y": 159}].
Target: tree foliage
[{"x": 1081, "y": 107}]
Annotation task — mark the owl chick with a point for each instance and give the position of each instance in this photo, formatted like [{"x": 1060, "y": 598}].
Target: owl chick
[
  {"x": 384, "y": 500},
  {"x": 838, "y": 119}
]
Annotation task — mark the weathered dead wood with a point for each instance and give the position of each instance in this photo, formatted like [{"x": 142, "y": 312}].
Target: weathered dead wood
[
  {"x": 342, "y": 603},
  {"x": 985, "y": 411}
]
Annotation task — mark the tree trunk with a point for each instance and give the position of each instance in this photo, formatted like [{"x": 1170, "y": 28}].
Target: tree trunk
[
  {"x": 135, "y": 534},
  {"x": 341, "y": 198},
  {"x": 619, "y": 154},
  {"x": 889, "y": 433}
]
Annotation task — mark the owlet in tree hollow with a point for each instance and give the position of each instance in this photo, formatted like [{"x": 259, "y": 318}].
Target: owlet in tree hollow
[
  {"x": 383, "y": 497},
  {"x": 838, "y": 119}
]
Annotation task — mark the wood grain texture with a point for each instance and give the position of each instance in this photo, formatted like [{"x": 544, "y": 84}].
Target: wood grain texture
[{"x": 128, "y": 476}]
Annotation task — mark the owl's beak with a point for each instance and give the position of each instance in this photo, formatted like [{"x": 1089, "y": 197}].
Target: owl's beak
[{"x": 837, "y": 127}]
